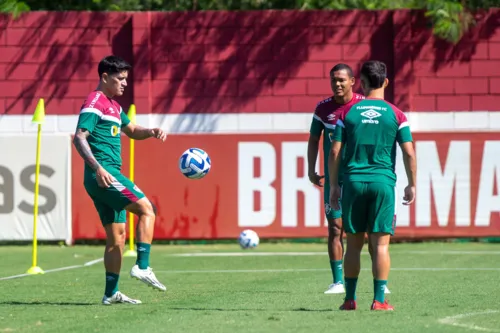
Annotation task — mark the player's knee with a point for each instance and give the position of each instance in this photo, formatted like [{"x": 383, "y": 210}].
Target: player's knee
[
  {"x": 149, "y": 210},
  {"x": 116, "y": 236},
  {"x": 155, "y": 211},
  {"x": 144, "y": 207},
  {"x": 335, "y": 229},
  {"x": 379, "y": 252}
]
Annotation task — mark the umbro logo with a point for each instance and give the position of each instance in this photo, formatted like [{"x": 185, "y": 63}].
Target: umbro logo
[
  {"x": 330, "y": 117},
  {"x": 371, "y": 115}
]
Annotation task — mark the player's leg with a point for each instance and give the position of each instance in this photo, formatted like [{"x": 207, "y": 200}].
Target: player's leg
[
  {"x": 132, "y": 199},
  {"x": 142, "y": 271},
  {"x": 354, "y": 219},
  {"x": 335, "y": 245},
  {"x": 381, "y": 227},
  {"x": 370, "y": 251},
  {"x": 125, "y": 195},
  {"x": 114, "y": 225}
]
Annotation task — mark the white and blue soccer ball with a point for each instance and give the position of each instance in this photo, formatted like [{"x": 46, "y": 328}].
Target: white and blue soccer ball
[
  {"x": 195, "y": 163},
  {"x": 248, "y": 239}
]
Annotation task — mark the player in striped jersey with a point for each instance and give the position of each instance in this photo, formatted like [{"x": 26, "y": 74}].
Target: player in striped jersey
[{"x": 97, "y": 140}]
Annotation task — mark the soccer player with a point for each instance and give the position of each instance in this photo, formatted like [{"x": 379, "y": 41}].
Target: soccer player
[
  {"x": 323, "y": 122},
  {"x": 368, "y": 132},
  {"x": 97, "y": 140}
]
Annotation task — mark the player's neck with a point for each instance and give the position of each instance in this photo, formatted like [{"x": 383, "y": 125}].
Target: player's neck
[
  {"x": 104, "y": 91},
  {"x": 376, "y": 93},
  {"x": 343, "y": 99}
]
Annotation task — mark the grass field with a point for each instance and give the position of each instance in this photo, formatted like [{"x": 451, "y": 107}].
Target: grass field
[{"x": 436, "y": 287}]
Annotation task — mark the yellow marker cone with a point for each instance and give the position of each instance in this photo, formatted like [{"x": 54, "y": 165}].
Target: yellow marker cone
[
  {"x": 131, "y": 251},
  {"x": 38, "y": 118},
  {"x": 39, "y": 115},
  {"x": 132, "y": 113}
]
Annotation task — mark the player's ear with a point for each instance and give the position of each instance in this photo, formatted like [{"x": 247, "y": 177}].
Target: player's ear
[
  {"x": 353, "y": 81},
  {"x": 386, "y": 83},
  {"x": 105, "y": 77}
]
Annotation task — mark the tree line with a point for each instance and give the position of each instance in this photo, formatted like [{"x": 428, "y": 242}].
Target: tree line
[{"x": 449, "y": 19}]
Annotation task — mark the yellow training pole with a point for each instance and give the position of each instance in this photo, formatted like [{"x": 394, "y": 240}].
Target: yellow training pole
[
  {"x": 38, "y": 118},
  {"x": 131, "y": 251}
]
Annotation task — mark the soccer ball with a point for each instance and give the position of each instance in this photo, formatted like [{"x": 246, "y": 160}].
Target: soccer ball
[
  {"x": 195, "y": 163},
  {"x": 248, "y": 239}
]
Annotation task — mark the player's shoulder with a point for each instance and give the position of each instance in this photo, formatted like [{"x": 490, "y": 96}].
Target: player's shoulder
[
  {"x": 324, "y": 102},
  {"x": 393, "y": 107},
  {"x": 97, "y": 103},
  {"x": 324, "y": 107},
  {"x": 357, "y": 97},
  {"x": 400, "y": 115},
  {"x": 95, "y": 100},
  {"x": 397, "y": 111}
]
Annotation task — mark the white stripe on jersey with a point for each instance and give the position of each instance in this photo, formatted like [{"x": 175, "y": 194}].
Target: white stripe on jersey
[
  {"x": 92, "y": 110},
  {"x": 111, "y": 118},
  {"x": 327, "y": 125},
  {"x": 404, "y": 124},
  {"x": 100, "y": 114}
]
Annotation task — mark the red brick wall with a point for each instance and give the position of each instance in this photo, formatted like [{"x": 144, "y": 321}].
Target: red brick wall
[{"x": 243, "y": 62}]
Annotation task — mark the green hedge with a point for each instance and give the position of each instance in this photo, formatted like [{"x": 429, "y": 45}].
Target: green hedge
[{"x": 449, "y": 19}]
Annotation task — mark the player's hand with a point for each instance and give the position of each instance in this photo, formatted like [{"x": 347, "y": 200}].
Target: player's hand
[
  {"x": 104, "y": 178},
  {"x": 316, "y": 179},
  {"x": 409, "y": 195},
  {"x": 335, "y": 197},
  {"x": 159, "y": 134}
]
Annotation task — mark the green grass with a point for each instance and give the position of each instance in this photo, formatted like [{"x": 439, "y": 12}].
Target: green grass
[{"x": 230, "y": 297}]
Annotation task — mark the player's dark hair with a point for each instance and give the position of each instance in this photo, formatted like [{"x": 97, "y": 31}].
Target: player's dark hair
[
  {"x": 375, "y": 73},
  {"x": 339, "y": 67},
  {"x": 112, "y": 65}
]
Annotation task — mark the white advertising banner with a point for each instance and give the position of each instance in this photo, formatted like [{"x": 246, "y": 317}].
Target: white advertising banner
[{"x": 17, "y": 187}]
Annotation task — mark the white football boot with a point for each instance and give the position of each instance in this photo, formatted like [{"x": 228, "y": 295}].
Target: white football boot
[
  {"x": 335, "y": 288},
  {"x": 147, "y": 276},
  {"x": 118, "y": 297}
]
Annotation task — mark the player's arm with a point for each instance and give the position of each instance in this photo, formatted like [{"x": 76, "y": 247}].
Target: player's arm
[
  {"x": 334, "y": 157},
  {"x": 410, "y": 162},
  {"x": 82, "y": 147},
  {"x": 138, "y": 132},
  {"x": 405, "y": 141},
  {"x": 87, "y": 121},
  {"x": 86, "y": 124},
  {"x": 315, "y": 131}
]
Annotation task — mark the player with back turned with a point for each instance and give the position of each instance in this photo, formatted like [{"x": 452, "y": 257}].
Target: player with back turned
[
  {"x": 97, "y": 140},
  {"x": 367, "y": 135},
  {"x": 325, "y": 117}
]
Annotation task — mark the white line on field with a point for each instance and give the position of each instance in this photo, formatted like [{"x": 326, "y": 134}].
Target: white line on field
[
  {"x": 90, "y": 263},
  {"x": 250, "y": 253},
  {"x": 454, "y": 321},
  {"x": 293, "y": 270}
]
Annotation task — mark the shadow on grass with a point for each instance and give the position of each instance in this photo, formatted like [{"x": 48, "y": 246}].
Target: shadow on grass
[
  {"x": 45, "y": 303},
  {"x": 241, "y": 310}
]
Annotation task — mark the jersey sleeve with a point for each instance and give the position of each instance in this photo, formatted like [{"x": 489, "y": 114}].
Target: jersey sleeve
[
  {"x": 339, "y": 133},
  {"x": 404, "y": 132},
  {"x": 317, "y": 125},
  {"x": 88, "y": 119},
  {"x": 124, "y": 118}
]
